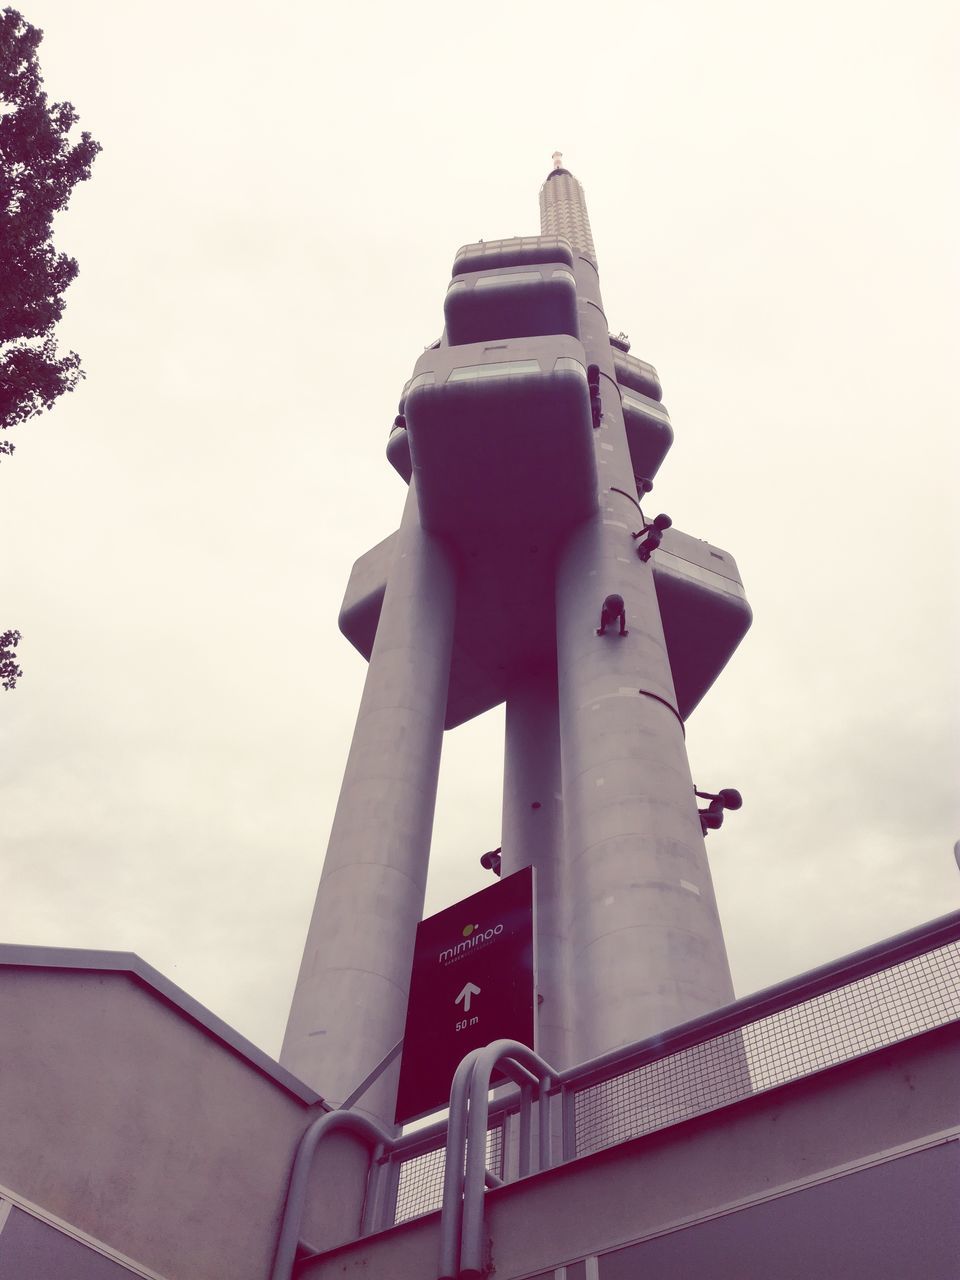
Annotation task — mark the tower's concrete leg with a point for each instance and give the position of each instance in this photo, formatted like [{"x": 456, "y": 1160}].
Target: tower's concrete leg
[
  {"x": 533, "y": 836},
  {"x": 646, "y": 949},
  {"x": 350, "y": 1001}
]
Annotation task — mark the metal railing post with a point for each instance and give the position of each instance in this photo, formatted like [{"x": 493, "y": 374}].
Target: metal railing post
[
  {"x": 525, "y": 1135},
  {"x": 544, "y": 1126},
  {"x": 526, "y": 1069},
  {"x": 451, "y": 1214},
  {"x": 568, "y": 1114},
  {"x": 370, "y": 1218},
  {"x": 391, "y": 1191}
]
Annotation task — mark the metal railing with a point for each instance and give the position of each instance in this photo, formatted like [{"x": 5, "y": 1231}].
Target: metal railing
[
  {"x": 874, "y": 998},
  {"x": 852, "y": 1006}
]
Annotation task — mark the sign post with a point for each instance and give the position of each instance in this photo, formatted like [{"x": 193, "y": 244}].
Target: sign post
[{"x": 472, "y": 982}]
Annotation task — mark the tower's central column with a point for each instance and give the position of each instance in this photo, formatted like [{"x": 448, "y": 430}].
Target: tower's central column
[{"x": 645, "y": 945}]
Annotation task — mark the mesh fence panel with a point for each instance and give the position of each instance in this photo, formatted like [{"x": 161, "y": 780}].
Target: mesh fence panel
[
  {"x": 877, "y": 1010},
  {"x": 660, "y": 1093},
  {"x": 420, "y": 1188},
  {"x": 866, "y": 1014}
]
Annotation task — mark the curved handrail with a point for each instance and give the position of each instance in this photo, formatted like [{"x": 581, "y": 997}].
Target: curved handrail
[
  {"x": 292, "y": 1219},
  {"x": 503, "y": 1054},
  {"x": 465, "y": 1172},
  {"x": 453, "y": 1168}
]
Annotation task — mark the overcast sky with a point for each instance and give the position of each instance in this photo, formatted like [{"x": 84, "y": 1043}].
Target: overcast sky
[{"x": 264, "y": 248}]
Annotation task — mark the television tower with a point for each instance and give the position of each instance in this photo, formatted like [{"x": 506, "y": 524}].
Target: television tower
[{"x": 528, "y": 436}]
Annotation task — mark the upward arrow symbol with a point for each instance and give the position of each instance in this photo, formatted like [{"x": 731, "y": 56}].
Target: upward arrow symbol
[{"x": 465, "y": 995}]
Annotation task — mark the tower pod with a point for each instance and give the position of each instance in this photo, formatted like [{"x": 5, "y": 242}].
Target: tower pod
[
  {"x": 398, "y": 452},
  {"x": 649, "y": 433},
  {"x": 519, "y": 251},
  {"x": 517, "y": 302},
  {"x": 702, "y": 603},
  {"x": 501, "y": 438},
  {"x": 636, "y": 375}
]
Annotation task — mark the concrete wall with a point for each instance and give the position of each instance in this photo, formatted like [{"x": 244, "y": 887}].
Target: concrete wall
[
  {"x": 853, "y": 1172},
  {"x": 894, "y": 1219},
  {"x": 125, "y": 1116},
  {"x": 31, "y": 1248}
]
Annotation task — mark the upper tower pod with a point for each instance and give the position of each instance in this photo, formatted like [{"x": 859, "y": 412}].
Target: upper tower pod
[
  {"x": 527, "y": 301},
  {"x": 518, "y": 251}
]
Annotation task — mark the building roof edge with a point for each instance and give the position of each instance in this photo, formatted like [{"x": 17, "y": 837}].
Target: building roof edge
[{"x": 14, "y": 955}]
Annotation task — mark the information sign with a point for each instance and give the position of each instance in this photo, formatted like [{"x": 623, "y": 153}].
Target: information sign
[{"x": 472, "y": 982}]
